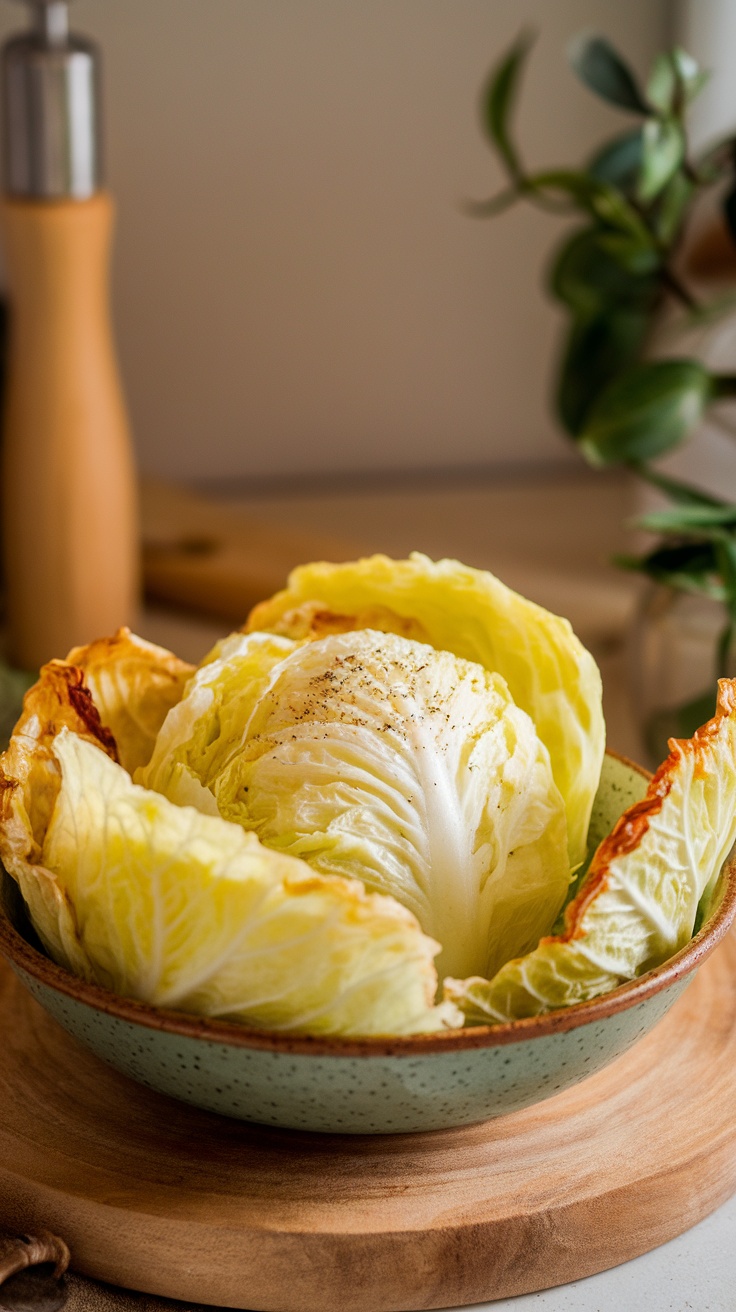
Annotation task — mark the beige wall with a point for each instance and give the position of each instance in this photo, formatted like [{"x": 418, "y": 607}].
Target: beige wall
[{"x": 295, "y": 287}]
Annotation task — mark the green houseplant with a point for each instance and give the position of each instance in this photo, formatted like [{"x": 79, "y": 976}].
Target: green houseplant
[{"x": 616, "y": 274}]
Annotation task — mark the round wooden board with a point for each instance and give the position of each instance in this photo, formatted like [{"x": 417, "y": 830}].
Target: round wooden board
[{"x": 156, "y": 1196}]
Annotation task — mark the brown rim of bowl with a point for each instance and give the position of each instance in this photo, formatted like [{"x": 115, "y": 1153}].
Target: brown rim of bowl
[{"x": 26, "y": 958}]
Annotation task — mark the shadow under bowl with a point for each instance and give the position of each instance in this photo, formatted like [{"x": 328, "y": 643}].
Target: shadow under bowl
[{"x": 376, "y": 1085}]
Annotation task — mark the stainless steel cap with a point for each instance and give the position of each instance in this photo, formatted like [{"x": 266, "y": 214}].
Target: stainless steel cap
[{"x": 50, "y": 102}]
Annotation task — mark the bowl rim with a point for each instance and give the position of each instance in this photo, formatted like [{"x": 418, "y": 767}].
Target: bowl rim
[{"x": 23, "y": 957}]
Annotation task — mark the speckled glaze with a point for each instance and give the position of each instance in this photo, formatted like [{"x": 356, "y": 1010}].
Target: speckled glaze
[{"x": 373, "y": 1086}]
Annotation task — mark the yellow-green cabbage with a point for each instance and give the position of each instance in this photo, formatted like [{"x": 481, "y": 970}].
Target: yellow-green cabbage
[
  {"x": 184, "y": 910},
  {"x": 468, "y": 612},
  {"x": 378, "y": 758}
]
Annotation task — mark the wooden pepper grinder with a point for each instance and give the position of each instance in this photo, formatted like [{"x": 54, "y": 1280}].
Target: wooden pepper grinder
[{"x": 68, "y": 485}]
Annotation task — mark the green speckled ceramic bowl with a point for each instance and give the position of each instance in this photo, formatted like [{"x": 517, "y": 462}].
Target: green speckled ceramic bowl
[{"x": 368, "y": 1086}]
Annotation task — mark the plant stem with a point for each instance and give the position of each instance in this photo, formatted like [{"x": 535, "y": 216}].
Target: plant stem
[
  {"x": 531, "y": 194},
  {"x": 677, "y": 289},
  {"x": 674, "y": 488},
  {"x": 486, "y": 209},
  {"x": 690, "y": 171}
]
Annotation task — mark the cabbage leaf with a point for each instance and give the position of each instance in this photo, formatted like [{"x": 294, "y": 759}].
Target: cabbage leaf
[
  {"x": 133, "y": 684},
  {"x": 182, "y": 910},
  {"x": 30, "y": 779},
  {"x": 468, "y": 612},
  {"x": 639, "y": 901},
  {"x": 205, "y": 729},
  {"x": 378, "y": 758}
]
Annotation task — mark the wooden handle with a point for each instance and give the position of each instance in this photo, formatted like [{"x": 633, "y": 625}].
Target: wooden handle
[
  {"x": 18, "y": 1252},
  {"x": 69, "y": 518}
]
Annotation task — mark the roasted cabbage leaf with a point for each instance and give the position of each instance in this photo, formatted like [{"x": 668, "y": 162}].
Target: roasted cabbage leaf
[
  {"x": 133, "y": 684},
  {"x": 160, "y": 903},
  {"x": 648, "y": 878}
]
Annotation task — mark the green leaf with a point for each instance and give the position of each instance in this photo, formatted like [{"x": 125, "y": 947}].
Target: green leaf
[
  {"x": 612, "y": 312},
  {"x": 688, "y": 519},
  {"x": 566, "y": 183},
  {"x": 598, "y": 348},
  {"x": 619, "y": 161},
  {"x": 603, "y": 70},
  {"x": 669, "y": 212},
  {"x": 613, "y": 209},
  {"x": 688, "y": 566},
  {"x": 691, "y": 77},
  {"x": 598, "y": 199},
  {"x": 498, "y": 101},
  {"x": 726, "y": 556},
  {"x": 662, "y": 155},
  {"x": 674, "y": 80},
  {"x": 663, "y": 84},
  {"x": 588, "y": 276},
  {"x": 631, "y": 253},
  {"x": 647, "y": 411}
]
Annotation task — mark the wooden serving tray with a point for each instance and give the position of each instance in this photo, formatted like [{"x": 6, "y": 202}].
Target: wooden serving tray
[{"x": 156, "y": 1196}]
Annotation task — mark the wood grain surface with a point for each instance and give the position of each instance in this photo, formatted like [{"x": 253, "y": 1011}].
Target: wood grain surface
[
  {"x": 154, "y": 1195},
  {"x": 208, "y": 558},
  {"x": 550, "y": 540}
]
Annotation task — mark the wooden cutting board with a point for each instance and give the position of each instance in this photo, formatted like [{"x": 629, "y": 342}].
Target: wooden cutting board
[
  {"x": 156, "y": 1196},
  {"x": 204, "y": 556}
]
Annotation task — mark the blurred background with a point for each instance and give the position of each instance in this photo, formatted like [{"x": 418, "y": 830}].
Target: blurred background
[{"x": 296, "y": 289}]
